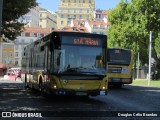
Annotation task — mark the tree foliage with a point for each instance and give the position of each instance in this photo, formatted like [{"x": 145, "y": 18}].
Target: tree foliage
[
  {"x": 131, "y": 23},
  {"x": 12, "y": 11}
]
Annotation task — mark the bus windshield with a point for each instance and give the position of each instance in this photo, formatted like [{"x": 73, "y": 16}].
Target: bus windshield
[
  {"x": 77, "y": 59},
  {"x": 119, "y": 57}
]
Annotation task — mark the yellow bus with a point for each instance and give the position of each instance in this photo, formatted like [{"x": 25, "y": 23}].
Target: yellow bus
[
  {"x": 67, "y": 63},
  {"x": 120, "y": 66}
]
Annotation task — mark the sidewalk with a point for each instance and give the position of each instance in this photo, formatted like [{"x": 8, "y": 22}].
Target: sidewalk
[{"x": 2, "y": 80}]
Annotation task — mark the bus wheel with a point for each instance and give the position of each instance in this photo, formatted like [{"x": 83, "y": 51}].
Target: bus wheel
[
  {"x": 40, "y": 87},
  {"x": 25, "y": 83},
  {"x": 42, "y": 90}
]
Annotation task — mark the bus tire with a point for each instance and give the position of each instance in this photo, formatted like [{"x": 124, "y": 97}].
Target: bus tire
[
  {"x": 40, "y": 85},
  {"x": 25, "y": 82}
]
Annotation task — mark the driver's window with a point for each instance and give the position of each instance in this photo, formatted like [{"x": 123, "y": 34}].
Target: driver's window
[
  {"x": 99, "y": 61},
  {"x": 59, "y": 60}
]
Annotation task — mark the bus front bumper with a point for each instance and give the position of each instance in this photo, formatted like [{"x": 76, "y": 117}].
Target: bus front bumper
[{"x": 80, "y": 93}]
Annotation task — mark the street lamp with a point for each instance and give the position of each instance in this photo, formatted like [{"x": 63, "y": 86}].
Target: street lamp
[{"x": 150, "y": 55}]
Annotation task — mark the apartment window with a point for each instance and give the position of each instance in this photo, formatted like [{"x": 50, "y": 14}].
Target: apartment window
[
  {"x": 16, "y": 61},
  {"x": 68, "y": 10},
  {"x": 87, "y": 17},
  {"x": 11, "y": 46},
  {"x": 62, "y": 16},
  {"x": 10, "y": 54},
  {"x": 87, "y": 11},
  {"x": 94, "y": 26},
  {"x": 101, "y": 33},
  {"x": 69, "y": 16},
  {"x": 22, "y": 40},
  {"x": 4, "y": 45},
  {"x": 16, "y": 40},
  {"x": 80, "y": 16},
  {"x": 10, "y": 62},
  {"x": 32, "y": 35},
  {"x": 68, "y": 22},
  {"x": 4, "y": 53},
  {"x": 38, "y": 34},
  {"x": 17, "y": 47},
  {"x": 69, "y": 1},
  {"x": 74, "y": 16},
  {"x": 89, "y": 1},
  {"x": 16, "y": 54},
  {"x": 80, "y": 10},
  {"x": 75, "y": 1},
  {"x": 108, "y": 26},
  {"x": 83, "y": 1},
  {"x": 101, "y": 26},
  {"x": 23, "y": 34},
  {"x": 62, "y": 22},
  {"x": 74, "y": 11}
]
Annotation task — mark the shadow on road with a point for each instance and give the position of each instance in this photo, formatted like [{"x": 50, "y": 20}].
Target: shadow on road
[{"x": 14, "y": 97}]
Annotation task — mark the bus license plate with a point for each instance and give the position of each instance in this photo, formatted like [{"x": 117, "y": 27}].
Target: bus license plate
[
  {"x": 102, "y": 92},
  {"x": 81, "y": 93}
]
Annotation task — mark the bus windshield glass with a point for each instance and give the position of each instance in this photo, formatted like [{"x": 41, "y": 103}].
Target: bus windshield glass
[
  {"x": 80, "y": 58},
  {"x": 119, "y": 57}
]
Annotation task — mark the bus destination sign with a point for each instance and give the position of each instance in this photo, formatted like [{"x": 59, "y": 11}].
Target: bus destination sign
[{"x": 85, "y": 41}]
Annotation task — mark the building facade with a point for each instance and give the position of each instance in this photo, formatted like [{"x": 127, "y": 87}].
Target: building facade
[
  {"x": 47, "y": 19},
  {"x": 92, "y": 26},
  {"x": 7, "y": 53},
  {"x": 74, "y": 9},
  {"x": 11, "y": 52},
  {"x": 27, "y": 37},
  {"x": 31, "y": 18}
]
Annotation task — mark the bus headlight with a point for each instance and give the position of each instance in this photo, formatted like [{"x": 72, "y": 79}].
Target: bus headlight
[
  {"x": 55, "y": 86},
  {"x": 103, "y": 88}
]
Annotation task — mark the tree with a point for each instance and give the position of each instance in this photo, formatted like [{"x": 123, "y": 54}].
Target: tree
[
  {"x": 12, "y": 11},
  {"x": 131, "y": 22}
]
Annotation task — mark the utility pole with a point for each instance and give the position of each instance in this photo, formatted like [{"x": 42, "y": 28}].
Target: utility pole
[
  {"x": 150, "y": 54},
  {"x": 1, "y": 8}
]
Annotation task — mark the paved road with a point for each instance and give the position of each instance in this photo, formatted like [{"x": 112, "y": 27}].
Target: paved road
[{"x": 125, "y": 101}]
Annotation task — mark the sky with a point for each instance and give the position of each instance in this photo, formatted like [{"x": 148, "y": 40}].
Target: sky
[{"x": 52, "y": 5}]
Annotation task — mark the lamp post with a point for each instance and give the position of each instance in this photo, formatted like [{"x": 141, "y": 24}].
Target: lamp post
[
  {"x": 1, "y": 7},
  {"x": 150, "y": 54}
]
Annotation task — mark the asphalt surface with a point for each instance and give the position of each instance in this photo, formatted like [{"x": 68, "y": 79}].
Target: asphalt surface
[{"x": 129, "y": 102}]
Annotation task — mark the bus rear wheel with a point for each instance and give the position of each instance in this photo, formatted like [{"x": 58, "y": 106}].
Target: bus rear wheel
[{"x": 25, "y": 82}]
